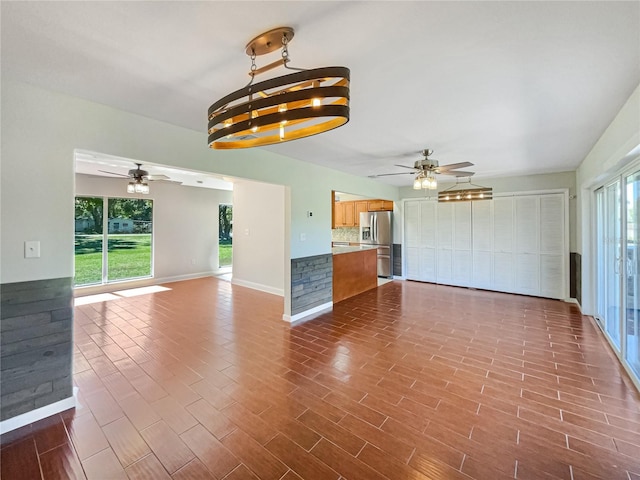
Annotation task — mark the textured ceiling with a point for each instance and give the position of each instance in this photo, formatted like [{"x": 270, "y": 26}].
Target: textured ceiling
[{"x": 514, "y": 87}]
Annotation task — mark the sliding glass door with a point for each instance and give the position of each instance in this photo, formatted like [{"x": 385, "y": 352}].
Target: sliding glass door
[
  {"x": 631, "y": 320},
  {"x": 618, "y": 263},
  {"x": 613, "y": 261}
]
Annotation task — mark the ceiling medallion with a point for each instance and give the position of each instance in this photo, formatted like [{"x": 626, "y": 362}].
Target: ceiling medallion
[{"x": 280, "y": 109}]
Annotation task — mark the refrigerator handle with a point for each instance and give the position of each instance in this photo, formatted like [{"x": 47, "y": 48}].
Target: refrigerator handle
[{"x": 374, "y": 228}]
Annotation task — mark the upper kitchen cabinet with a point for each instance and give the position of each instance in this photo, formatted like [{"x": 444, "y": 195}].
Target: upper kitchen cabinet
[
  {"x": 379, "y": 205},
  {"x": 344, "y": 214},
  {"x": 347, "y": 213},
  {"x": 360, "y": 207}
]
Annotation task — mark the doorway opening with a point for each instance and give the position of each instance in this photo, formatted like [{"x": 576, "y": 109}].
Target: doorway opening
[{"x": 225, "y": 236}]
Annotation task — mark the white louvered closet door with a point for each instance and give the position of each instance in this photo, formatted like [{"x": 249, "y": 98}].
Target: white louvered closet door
[
  {"x": 412, "y": 240},
  {"x": 503, "y": 244},
  {"x": 428, "y": 241},
  {"x": 527, "y": 235},
  {"x": 462, "y": 259},
  {"x": 552, "y": 246},
  {"x": 482, "y": 235},
  {"x": 511, "y": 244},
  {"x": 445, "y": 243}
]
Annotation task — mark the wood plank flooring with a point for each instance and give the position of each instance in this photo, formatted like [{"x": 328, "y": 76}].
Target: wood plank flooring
[{"x": 408, "y": 380}]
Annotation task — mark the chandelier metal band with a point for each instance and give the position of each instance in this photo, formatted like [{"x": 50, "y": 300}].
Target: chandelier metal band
[{"x": 280, "y": 109}]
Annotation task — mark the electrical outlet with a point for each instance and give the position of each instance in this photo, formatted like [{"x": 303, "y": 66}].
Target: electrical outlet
[{"x": 303, "y": 237}]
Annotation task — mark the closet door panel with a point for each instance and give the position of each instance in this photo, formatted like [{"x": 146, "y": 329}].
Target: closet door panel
[
  {"x": 527, "y": 224},
  {"x": 482, "y": 221},
  {"x": 445, "y": 266},
  {"x": 481, "y": 274},
  {"x": 428, "y": 219},
  {"x": 462, "y": 226},
  {"x": 552, "y": 276},
  {"x": 503, "y": 272},
  {"x": 482, "y": 238},
  {"x": 527, "y": 273},
  {"x": 412, "y": 240},
  {"x": 445, "y": 225},
  {"x": 503, "y": 210},
  {"x": 552, "y": 220},
  {"x": 428, "y": 264},
  {"x": 462, "y": 268}
]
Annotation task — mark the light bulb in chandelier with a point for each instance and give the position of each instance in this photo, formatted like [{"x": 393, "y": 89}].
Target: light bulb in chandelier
[{"x": 254, "y": 115}]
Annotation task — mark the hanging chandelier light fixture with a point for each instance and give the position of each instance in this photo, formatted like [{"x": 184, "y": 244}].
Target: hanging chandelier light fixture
[
  {"x": 465, "y": 192},
  {"x": 280, "y": 109}
]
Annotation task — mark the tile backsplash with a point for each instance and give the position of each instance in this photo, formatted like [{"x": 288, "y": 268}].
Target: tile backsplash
[{"x": 345, "y": 234}]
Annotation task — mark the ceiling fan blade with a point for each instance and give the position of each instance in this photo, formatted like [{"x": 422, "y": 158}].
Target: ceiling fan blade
[
  {"x": 387, "y": 174},
  {"x": 404, "y": 166},
  {"x": 453, "y": 166},
  {"x": 457, "y": 173},
  {"x": 114, "y": 173},
  {"x": 161, "y": 176}
]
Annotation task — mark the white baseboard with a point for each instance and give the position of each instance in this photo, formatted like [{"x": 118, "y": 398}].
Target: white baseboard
[
  {"x": 188, "y": 276},
  {"x": 38, "y": 414},
  {"x": 307, "y": 313},
  {"x": 573, "y": 300},
  {"x": 143, "y": 282},
  {"x": 258, "y": 286}
]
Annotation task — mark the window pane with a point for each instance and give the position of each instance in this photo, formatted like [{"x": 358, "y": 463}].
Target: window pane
[
  {"x": 88, "y": 240},
  {"x": 129, "y": 238},
  {"x": 613, "y": 261},
  {"x": 632, "y": 321}
]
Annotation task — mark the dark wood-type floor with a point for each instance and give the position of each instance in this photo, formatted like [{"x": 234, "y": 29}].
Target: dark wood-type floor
[{"x": 408, "y": 381}]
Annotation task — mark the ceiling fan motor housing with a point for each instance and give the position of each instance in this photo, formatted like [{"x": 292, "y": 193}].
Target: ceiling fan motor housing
[{"x": 138, "y": 173}]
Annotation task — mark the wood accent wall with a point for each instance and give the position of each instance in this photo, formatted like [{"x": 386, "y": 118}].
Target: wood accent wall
[{"x": 354, "y": 273}]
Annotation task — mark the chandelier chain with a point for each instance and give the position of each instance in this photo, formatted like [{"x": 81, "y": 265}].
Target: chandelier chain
[{"x": 285, "y": 49}]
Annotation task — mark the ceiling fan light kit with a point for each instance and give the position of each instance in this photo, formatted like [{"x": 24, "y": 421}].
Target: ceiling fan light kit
[
  {"x": 138, "y": 186},
  {"x": 289, "y": 107}
]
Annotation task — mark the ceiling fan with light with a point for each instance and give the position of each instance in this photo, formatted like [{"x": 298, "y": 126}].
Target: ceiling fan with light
[
  {"x": 140, "y": 178},
  {"x": 427, "y": 168}
]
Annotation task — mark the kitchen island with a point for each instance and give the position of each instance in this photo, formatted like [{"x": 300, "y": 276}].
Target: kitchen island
[{"x": 355, "y": 270}]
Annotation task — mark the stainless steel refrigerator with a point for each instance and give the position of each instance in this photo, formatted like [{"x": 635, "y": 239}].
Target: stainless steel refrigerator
[{"x": 375, "y": 229}]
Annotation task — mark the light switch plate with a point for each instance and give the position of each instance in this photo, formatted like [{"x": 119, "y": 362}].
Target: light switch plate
[{"x": 32, "y": 249}]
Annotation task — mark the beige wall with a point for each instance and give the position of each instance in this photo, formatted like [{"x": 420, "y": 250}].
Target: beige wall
[{"x": 259, "y": 236}]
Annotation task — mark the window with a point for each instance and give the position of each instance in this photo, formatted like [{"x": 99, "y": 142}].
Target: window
[{"x": 129, "y": 243}]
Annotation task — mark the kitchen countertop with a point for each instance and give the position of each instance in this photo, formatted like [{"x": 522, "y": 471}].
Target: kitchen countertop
[{"x": 348, "y": 249}]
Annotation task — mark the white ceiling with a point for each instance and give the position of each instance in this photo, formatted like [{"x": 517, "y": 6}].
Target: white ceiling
[
  {"x": 514, "y": 87},
  {"x": 94, "y": 163}
]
